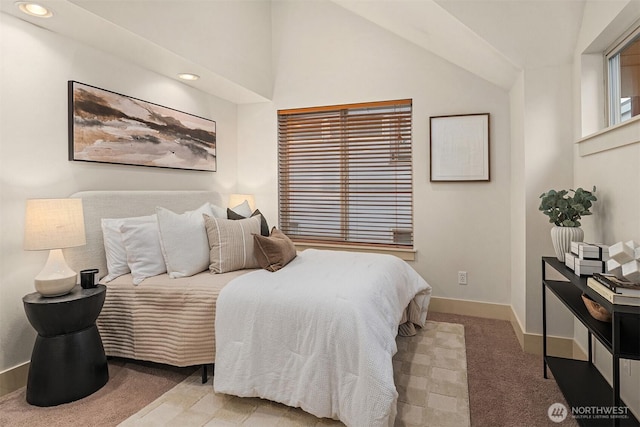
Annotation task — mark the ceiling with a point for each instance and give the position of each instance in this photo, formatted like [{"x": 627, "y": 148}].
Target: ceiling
[
  {"x": 531, "y": 33},
  {"x": 493, "y": 39}
]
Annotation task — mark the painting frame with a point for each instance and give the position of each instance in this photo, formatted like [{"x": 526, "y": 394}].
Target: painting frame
[
  {"x": 459, "y": 148},
  {"x": 112, "y": 128}
]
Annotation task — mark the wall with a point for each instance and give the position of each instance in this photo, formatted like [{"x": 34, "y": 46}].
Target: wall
[
  {"x": 36, "y": 65},
  {"x": 541, "y": 158},
  {"x": 548, "y": 164},
  {"x": 518, "y": 203},
  {"x": 616, "y": 172},
  {"x": 325, "y": 55}
]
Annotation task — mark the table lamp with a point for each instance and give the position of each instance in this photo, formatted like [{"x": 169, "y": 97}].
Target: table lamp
[
  {"x": 236, "y": 199},
  {"x": 54, "y": 224}
]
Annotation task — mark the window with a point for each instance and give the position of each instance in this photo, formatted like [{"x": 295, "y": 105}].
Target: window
[
  {"x": 623, "y": 63},
  {"x": 345, "y": 174}
]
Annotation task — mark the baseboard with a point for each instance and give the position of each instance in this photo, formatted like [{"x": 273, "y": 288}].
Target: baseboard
[
  {"x": 486, "y": 310},
  {"x": 14, "y": 378},
  {"x": 556, "y": 346},
  {"x": 578, "y": 352},
  {"x": 530, "y": 343}
]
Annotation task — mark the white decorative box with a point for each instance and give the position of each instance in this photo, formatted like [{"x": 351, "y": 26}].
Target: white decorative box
[
  {"x": 586, "y": 267},
  {"x": 590, "y": 251},
  {"x": 569, "y": 260},
  {"x": 575, "y": 247},
  {"x": 622, "y": 252},
  {"x": 614, "y": 267},
  {"x": 631, "y": 271}
]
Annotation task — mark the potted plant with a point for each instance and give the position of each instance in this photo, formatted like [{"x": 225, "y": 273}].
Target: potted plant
[{"x": 565, "y": 210}]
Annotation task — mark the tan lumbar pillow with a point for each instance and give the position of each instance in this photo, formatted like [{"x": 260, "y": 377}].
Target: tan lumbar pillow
[{"x": 275, "y": 251}]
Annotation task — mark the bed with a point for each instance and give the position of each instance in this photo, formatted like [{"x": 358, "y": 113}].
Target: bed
[
  {"x": 163, "y": 320},
  {"x": 318, "y": 333}
]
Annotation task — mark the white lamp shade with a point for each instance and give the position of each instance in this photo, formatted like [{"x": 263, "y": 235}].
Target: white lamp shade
[
  {"x": 53, "y": 224},
  {"x": 236, "y": 199}
]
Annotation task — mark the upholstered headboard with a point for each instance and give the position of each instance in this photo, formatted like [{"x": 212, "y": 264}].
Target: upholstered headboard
[{"x": 122, "y": 204}]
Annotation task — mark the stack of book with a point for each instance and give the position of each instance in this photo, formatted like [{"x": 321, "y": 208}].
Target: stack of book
[
  {"x": 586, "y": 259},
  {"x": 615, "y": 290}
]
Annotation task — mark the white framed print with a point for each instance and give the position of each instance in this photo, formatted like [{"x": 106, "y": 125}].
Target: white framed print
[{"x": 459, "y": 148}]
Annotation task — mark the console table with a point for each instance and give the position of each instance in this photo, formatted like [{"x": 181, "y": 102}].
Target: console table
[
  {"x": 580, "y": 381},
  {"x": 68, "y": 360}
]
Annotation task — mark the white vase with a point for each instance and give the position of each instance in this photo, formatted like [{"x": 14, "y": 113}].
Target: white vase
[{"x": 561, "y": 237}]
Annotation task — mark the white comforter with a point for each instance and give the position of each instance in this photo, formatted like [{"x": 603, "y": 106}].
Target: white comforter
[{"x": 319, "y": 334}]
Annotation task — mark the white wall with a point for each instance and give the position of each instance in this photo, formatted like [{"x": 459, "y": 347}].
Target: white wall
[
  {"x": 325, "y": 55},
  {"x": 615, "y": 172},
  {"x": 36, "y": 65},
  {"x": 518, "y": 203},
  {"x": 548, "y": 164}
]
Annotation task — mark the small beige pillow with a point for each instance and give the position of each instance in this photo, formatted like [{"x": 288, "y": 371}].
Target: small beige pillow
[
  {"x": 231, "y": 243},
  {"x": 275, "y": 251}
]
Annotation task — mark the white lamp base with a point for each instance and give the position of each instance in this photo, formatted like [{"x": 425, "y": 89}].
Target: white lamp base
[{"x": 56, "y": 278}]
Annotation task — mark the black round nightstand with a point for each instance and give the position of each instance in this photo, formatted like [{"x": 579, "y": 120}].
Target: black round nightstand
[{"x": 68, "y": 360}]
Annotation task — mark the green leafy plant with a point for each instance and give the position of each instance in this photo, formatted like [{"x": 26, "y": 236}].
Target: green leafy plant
[{"x": 565, "y": 210}]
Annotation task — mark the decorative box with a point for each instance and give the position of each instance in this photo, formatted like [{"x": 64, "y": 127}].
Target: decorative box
[
  {"x": 631, "y": 271},
  {"x": 586, "y": 267},
  {"x": 622, "y": 252},
  {"x": 583, "y": 267},
  {"x": 590, "y": 251},
  {"x": 569, "y": 260},
  {"x": 614, "y": 267}
]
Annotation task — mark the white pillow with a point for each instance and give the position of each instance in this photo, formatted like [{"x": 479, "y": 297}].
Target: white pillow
[
  {"x": 183, "y": 239},
  {"x": 242, "y": 209},
  {"x": 144, "y": 254},
  {"x": 115, "y": 251},
  {"x": 219, "y": 212}
]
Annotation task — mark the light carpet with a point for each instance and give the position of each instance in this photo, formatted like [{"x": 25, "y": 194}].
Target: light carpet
[{"x": 430, "y": 372}]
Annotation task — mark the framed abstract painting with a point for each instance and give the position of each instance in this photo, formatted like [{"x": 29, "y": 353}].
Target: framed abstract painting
[{"x": 108, "y": 127}]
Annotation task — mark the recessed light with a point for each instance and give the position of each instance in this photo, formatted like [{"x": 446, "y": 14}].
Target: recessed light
[
  {"x": 188, "y": 76},
  {"x": 34, "y": 9}
]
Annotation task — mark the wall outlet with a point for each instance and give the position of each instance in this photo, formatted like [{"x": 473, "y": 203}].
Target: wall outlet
[{"x": 462, "y": 277}]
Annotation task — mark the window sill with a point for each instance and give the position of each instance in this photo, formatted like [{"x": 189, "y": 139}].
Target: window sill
[
  {"x": 622, "y": 134},
  {"x": 404, "y": 254}
]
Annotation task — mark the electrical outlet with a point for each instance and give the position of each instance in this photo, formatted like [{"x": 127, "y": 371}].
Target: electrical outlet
[{"x": 462, "y": 277}]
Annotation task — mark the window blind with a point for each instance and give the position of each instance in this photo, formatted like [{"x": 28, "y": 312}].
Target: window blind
[{"x": 345, "y": 174}]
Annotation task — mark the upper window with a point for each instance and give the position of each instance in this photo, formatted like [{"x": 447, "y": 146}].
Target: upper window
[
  {"x": 623, "y": 63},
  {"x": 345, "y": 174}
]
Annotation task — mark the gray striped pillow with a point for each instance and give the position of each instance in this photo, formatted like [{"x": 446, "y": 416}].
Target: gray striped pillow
[{"x": 231, "y": 243}]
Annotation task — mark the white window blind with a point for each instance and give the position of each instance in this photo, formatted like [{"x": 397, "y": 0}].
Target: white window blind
[{"x": 345, "y": 174}]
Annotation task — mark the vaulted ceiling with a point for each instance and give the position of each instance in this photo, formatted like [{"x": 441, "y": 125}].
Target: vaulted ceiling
[{"x": 493, "y": 39}]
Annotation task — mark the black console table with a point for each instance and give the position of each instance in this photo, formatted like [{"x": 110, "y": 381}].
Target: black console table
[
  {"x": 68, "y": 360},
  {"x": 580, "y": 381}
]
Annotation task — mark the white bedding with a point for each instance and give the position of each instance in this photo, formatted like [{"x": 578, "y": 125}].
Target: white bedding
[{"x": 319, "y": 334}]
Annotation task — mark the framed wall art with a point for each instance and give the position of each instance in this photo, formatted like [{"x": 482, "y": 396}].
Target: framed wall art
[
  {"x": 459, "y": 147},
  {"x": 109, "y": 127}
]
